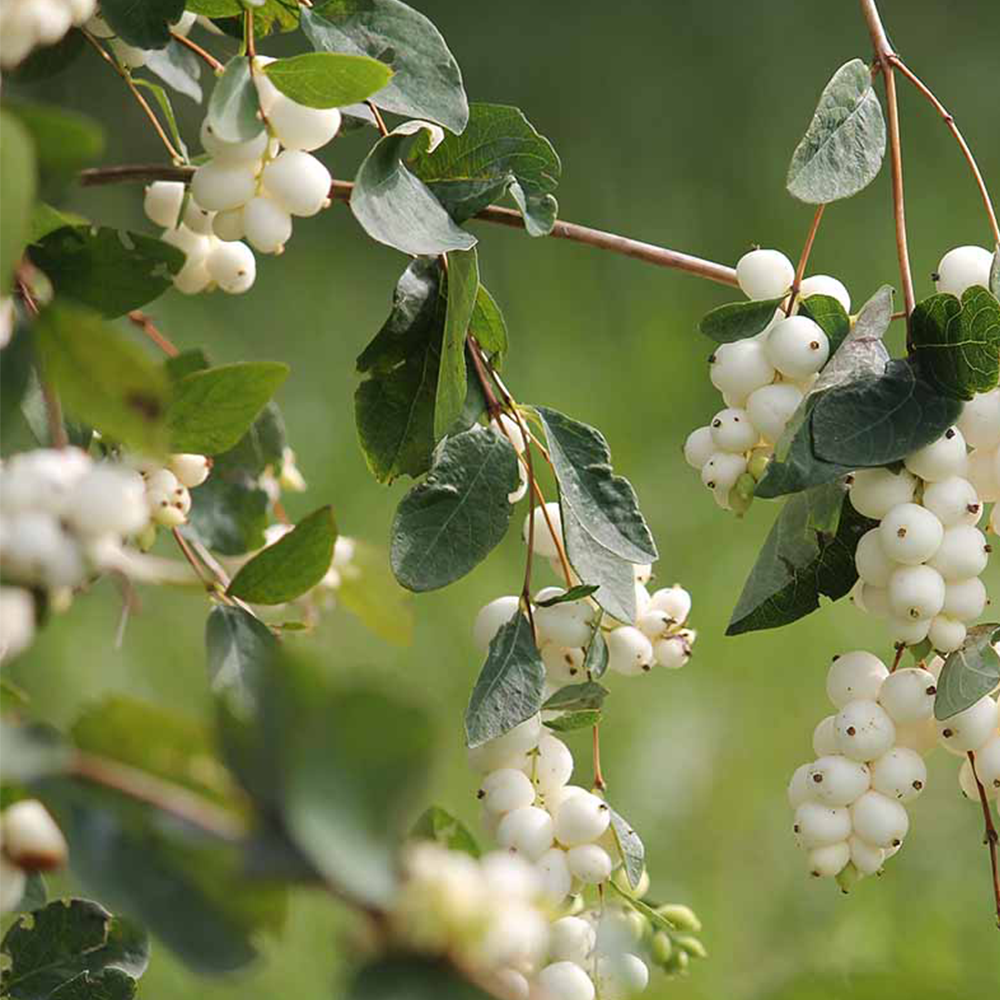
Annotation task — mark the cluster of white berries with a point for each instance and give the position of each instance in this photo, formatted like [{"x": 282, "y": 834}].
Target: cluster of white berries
[
  {"x": 30, "y": 841},
  {"x": 27, "y": 24},
  {"x": 167, "y": 487},
  {"x": 920, "y": 568},
  {"x": 247, "y": 190},
  {"x": 849, "y": 803},
  {"x": 762, "y": 380},
  {"x": 130, "y": 55}
]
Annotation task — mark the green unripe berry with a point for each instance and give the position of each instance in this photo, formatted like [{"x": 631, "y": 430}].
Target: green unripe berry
[
  {"x": 691, "y": 945},
  {"x": 661, "y": 948},
  {"x": 759, "y": 459},
  {"x": 682, "y": 917}
]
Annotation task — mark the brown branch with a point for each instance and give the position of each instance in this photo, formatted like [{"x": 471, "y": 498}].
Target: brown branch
[
  {"x": 884, "y": 56},
  {"x": 599, "y": 782},
  {"x": 949, "y": 121},
  {"x": 650, "y": 253},
  {"x": 804, "y": 258},
  {"x": 198, "y": 51},
  {"x": 148, "y": 327},
  {"x": 990, "y": 835},
  {"x": 379, "y": 120},
  {"x": 475, "y": 352}
]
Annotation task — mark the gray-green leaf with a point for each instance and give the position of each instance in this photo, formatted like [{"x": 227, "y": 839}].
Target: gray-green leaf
[
  {"x": 630, "y": 847},
  {"x": 234, "y": 105},
  {"x": 463, "y": 288},
  {"x": 439, "y": 825},
  {"x": 737, "y": 320},
  {"x": 969, "y": 672}
]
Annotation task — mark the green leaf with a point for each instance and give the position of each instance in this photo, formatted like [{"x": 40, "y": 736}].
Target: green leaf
[
  {"x": 394, "y": 406},
  {"x": 842, "y": 150},
  {"x": 509, "y": 688},
  {"x": 831, "y": 317},
  {"x": 958, "y": 343},
  {"x": 17, "y": 362},
  {"x": 17, "y": 193},
  {"x": 737, "y": 320},
  {"x": 575, "y": 697},
  {"x": 262, "y": 446},
  {"x": 54, "y": 945},
  {"x": 499, "y": 153},
  {"x": 211, "y": 410},
  {"x": 798, "y": 563},
  {"x": 291, "y": 566},
  {"x": 426, "y": 82},
  {"x": 64, "y": 140},
  {"x": 969, "y": 672},
  {"x": 145, "y": 25},
  {"x": 658, "y": 921},
  {"x": 396, "y": 208},
  {"x": 577, "y": 593},
  {"x": 238, "y": 647},
  {"x": 35, "y": 894},
  {"x": 413, "y": 978},
  {"x": 595, "y": 662},
  {"x": 879, "y": 419},
  {"x": 110, "y": 985},
  {"x": 463, "y": 287},
  {"x": 439, "y": 825},
  {"x": 103, "y": 378},
  {"x": 369, "y": 591},
  {"x": 229, "y": 513},
  {"x": 592, "y": 561},
  {"x": 572, "y": 721},
  {"x": 268, "y": 15},
  {"x": 328, "y": 79},
  {"x": 45, "y": 219},
  {"x": 630, "y": 847},
  {"x": 110, "y": 270},
  {"x": 488, "y": 327},
  {"x": 448, "y": 524},
  {"x": 178, "y": 67},
  {"x": 32, "y": 751},
  {"x": 234, "y": 105}
]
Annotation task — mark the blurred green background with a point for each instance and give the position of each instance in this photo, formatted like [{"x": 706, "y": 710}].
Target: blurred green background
[{"x": 675, "y": 123}]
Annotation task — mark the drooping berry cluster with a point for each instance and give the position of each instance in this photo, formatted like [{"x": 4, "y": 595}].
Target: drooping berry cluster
[
  {"x": 27, "y": 24},
  {"x": 30, "y": 841},
  {"x": 763, "y": 379},
  {"x": 168, "y": 486},
  {"x": 920, "y": 568}
]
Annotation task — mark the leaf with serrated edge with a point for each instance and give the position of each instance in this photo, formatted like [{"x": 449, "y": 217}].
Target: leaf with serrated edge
[
  {"x": 969, "y": 673},
  {"x": 737, "y": 320},
  {"x": 630, "y": 847},
  {"x": 842, "y": 150},
  {"x": 509, "y": 688}
]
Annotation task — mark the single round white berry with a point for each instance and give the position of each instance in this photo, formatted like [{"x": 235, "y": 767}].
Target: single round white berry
[
  {"x": 198, "y": 219},
  {"x": 911, "y": 534},
  {"x": 941, "y": 459},
  {"x": 556, "y": 877},
  {"x": 837, "y": 780},
  {"x": 572, "y": 939},
  {"x": 855, "y": 676},
  {"x": 988, "y": 766},
  {"x": 299, "y": 127},
  {"x": 732, "y": 431},
  {"x": 674, "y": 652},
  {"x": 879, "y": 820},
  {"x": 566, "y": 624},
  {"x": 819, "y": 825},
  {"x": 674, "y": 601},
  {"x": 953, "y": 501},
  {"x": 900, "y": 774},
  {"x": 970, "y": 729},
  {"x": 916, "y": 592},
  {"x": 908, "y": 631},
  {"x": 109, "y": 499},
  {"x": 874, "y": 492},
  {"x": 190, "y": 470},
  {"x": 983, "y": 474},
  {"x": 218, "y": 186},
  {"x": 621, "y": 976},
  {"x": 739, "y": 368},
  {"x": 563, "y": 665},
  {"x": 527, "y": 830},
  {"x": 947, "y": 634},
  {"x": 490, "y": 618},
  {"x": 589, "y": 863},
  {"x": 965, "y": 600},
  {"x": 163, "y": 201},
  {"x": 980, "y": 420},
  {"x": 699, "y": 447},
  {"x": 907, "y": 695},
  {"x": 799, "y": 787},
  {"x": 266, "y": 225},
  {"x": 629, "y": 651},
  {"x": 963, "y": 267},
  {"x": 764, "y": 274},
  {"x": 298, "y": 182},
  {"x": 771, "y": 407},
  {"x": 824, "y": 741},
  {"x": 962, "y": 553},
  {"x": 797, "y": 347},
  {"x": 505, "y": 790},
  {"x": 722, "y": 470},
  {"x": 864, "y": 731},
  {"x": 824, "y": 284},
  {"x": 867, "y": 858},
  {"x": 565, "y": 981},
  {"x": 228, "y": 225},
  {"x": 31, "y": 838},
  {"x": 829, "y": 861},
  {"x": 553, "y": 766},
  {"x": 232, "y": 266},
  {"x": 542, "y": 542},
  {"x": 581, "y": 819},
  {"x": 874, "y": 600},
  {"x": 873, "y": 565},
  {"x": 231, "y": 153}
]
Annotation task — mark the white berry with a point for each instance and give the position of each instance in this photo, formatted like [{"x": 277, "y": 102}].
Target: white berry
[
  {"x": 764, "y": 274},
  {"x": 963, "y": 267},
  {"x": 879, "y": 820},
  {"x": 797, "y": 347},
  {"x": 911, "y": 534}
]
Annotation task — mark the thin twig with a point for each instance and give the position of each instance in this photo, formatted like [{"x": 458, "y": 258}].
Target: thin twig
[
  {"x": 959, "y": 138},
  {"x": 341, "y": 191},
  {"x": 990, "y": 835},
  {"x": 599, "y": 781},
  {"x": 198, "y": 51},
  {"x": 148, "y": 327},
  {"x": 210, "y": 584},
  {"x": 884, "y": 60},
  {"x": 492, "y": 403},
  {"x": 248, "y": 38},
  {"x": 379, "y": 120},
  {"x": 804, "y": 258},
  {"x": 143, "y": 103}
]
